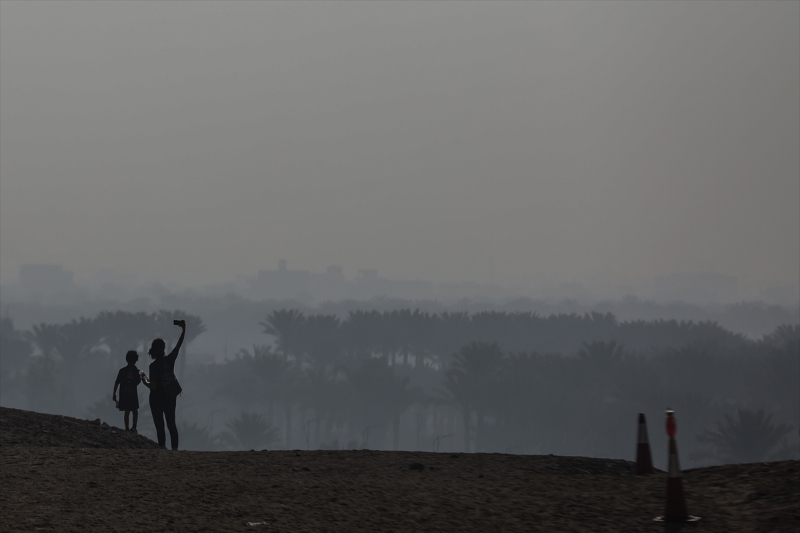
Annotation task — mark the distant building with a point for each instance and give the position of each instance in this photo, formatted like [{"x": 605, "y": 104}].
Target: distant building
[
  {"x": 697, "y": 288},
  {"x": 369, "y": 285},
  {"x": 331, "y": 285},
  {"x": 567, "y": 291},
  {"x": 281, "y": 283},
  {"x": 334, "y": 274}
]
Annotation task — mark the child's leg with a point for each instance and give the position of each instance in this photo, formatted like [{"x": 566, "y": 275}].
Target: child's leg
[
  {"x": 135, "y": 417},
  {"x": 127, "y": 414}
]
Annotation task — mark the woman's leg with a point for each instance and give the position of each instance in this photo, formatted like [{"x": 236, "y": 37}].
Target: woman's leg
[
  {"x": 157, "y": 410},
  {"x": 169, "y": 414},
  {"x": 127, "y": 418},
  {"x": 135, "y": 418}
]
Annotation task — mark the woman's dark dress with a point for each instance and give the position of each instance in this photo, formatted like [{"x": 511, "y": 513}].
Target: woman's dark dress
[
  {"x": 162, "y": 406},
  {"x": 128, "y": 379}
]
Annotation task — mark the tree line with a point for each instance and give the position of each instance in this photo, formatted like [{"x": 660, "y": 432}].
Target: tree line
[
  {"x": 322, "y": 338},
  {"x": 404, "y": 379}
]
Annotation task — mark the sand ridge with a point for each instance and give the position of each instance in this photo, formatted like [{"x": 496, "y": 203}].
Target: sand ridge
[{"x": 71, "y": 488}]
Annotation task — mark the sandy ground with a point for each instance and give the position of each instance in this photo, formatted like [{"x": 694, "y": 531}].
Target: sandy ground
[{"x": 124, "y": 488}]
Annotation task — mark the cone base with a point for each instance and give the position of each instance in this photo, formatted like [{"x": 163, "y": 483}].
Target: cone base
[
  {"x": 689, "y": 518},
  {"x": 644, "y": 461}
]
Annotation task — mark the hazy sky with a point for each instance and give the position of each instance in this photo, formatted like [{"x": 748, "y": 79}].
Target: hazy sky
[{"x": 498, "y": 142}]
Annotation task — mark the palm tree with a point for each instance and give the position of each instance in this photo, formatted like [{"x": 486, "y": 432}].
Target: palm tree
[
  {"x": 399, "y": 397},
  {"x": 77, "y": 339},
  {"x": 458, "y": 392},
  {"x": 368, "y": 381},
  {"x": 597, "y": 360},
  {"x": 271, "y": 370},
  {"x": 488, "y": 326},
  {"x": 44, "y": 390},
  {"x": 451, "y": 331},
  {"x": 285, "y": 327},
  {"x": 361, "y": 333},
  {"x": 322, "y": 392},
  {"x": 600, "y": 356},
  {"x": 321, "y": 339},
  {"x": 72, "y": 341},
  {"x": 383, "y": 394},
  {"x": 405, "y": 331},
  {"x": 122, "y": 331},
  {"x": 15, "y": 350},
  {"x": 749, "y": 438},
  {"x": 279, "y": 383},
  {"x": 520, "y": 409},
  {"x": 46, "y": 338},
  {"x": 237, "y": 382},
  {"x": 784, "y": 335},
  {"x": 250, "y": 431},
  {"x": 471, "y": 381},
  {"x": 196, "y": 438}
]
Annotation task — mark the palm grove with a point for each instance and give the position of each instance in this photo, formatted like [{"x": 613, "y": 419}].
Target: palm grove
[{"x": 566, "y": 384}]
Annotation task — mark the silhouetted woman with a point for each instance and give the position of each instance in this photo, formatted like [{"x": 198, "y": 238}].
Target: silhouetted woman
[{"x": 163, "y": 395}]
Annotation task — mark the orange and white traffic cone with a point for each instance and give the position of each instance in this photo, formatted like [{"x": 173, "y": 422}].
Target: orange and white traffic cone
[
  {"x": 676, "y": 510},
  {"x": 644, "y": 460}
]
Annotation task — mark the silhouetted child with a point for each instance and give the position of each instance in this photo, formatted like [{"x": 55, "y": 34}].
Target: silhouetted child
[{"x": 127, "y": 381}]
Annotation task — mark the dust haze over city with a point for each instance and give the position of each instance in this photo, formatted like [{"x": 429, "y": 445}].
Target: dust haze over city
[{"x": 595, "y": 166}]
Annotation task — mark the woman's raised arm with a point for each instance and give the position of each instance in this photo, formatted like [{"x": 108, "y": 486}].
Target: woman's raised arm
[{"x": 176, "y": 350}]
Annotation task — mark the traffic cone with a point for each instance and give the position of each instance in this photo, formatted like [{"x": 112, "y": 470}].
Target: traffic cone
[
  {"x": 644, "y": 460},
  {"x": 675, "y": 510}
]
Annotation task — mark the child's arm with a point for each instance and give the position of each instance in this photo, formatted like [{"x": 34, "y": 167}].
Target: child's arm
[
  {"x": 145, "y": 380},
  {"x": 114, "y": 394}
]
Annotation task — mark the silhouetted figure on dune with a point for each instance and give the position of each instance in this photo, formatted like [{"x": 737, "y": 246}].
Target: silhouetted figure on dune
[
  {"x": 164, "y": 387},
  {"x": 128, "y": 379}
]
